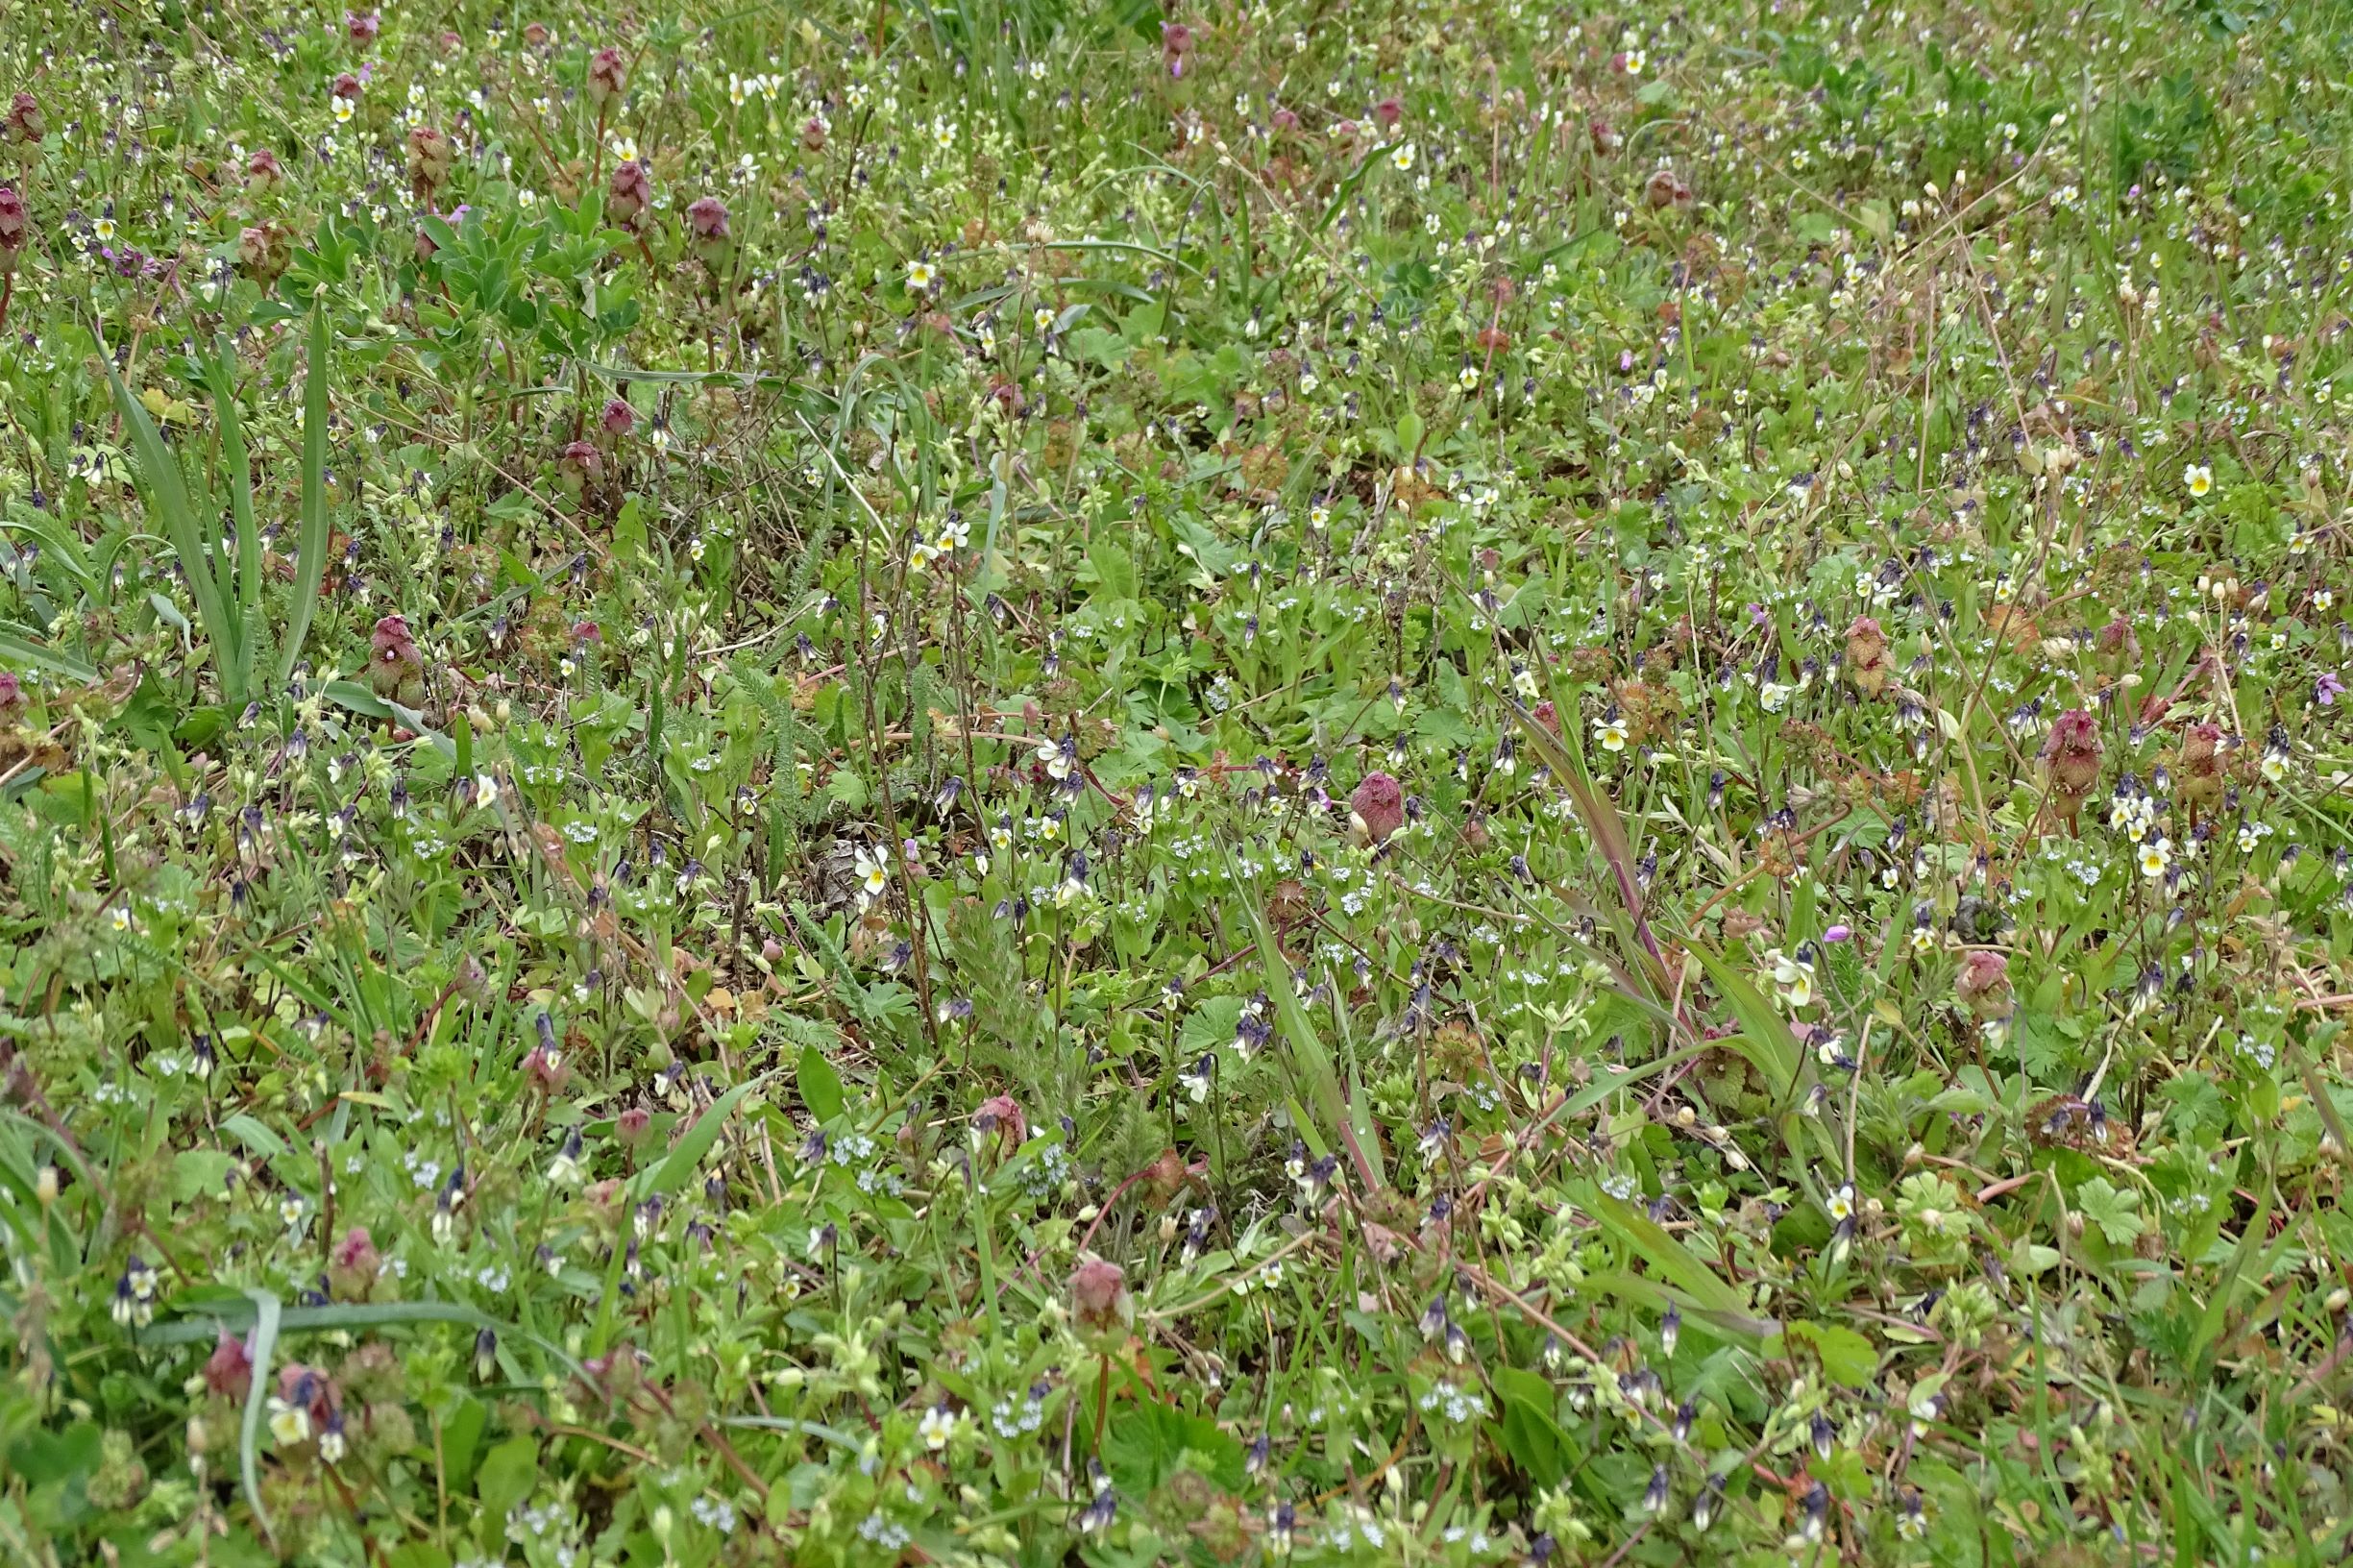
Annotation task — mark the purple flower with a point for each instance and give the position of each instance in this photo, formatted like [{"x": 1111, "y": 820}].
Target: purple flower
[{"x": 2327, "y": 689}]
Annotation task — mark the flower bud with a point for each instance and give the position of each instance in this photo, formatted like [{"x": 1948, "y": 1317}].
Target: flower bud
[
  {"x": 263, "y": 172},
  {"x": 1176, "y": 46},
  {"x": 228, "y": 1371},
  {"x": 14, "y": 227},
  {"x": 26, "y": 122},
  {"x": 1377, "y": 809},
  {"x": 429, "y": 157},
  {"x": 1867, "y": 663},
  {"x": 1101, "y": 1305},
  {"x": 706, "y": 226},
  {"x": 578, "y": 466},
  {"x": 999, "y": 1118},
  {"x": 1983, "y": 985},
  {"x": 395, "y": 668},
  {"x": 630, "y": 1125},
  {"x": 629, "y": 194},
  {"x": 2073, "y": 754},
  {"x": 265, "y": 252},
  {"x": 608, "y": 78},
  {"x": 353, "y": 1266}
]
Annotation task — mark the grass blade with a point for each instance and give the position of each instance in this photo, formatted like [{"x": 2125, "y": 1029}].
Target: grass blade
[
  {"x": 221, "y": 374},
  {"x": 310, "y": 565},
  {"x": 260, "y": 1350},
  {"x": 686, "y": 1154},
  {"x": 169, "y": 496},
  {"x": 205, "y": 1320},
  {"x": 1764, "y": 1039},
  {"x": 1313, "y": 1061},
  {"x": 1602, "y": 824},
  {"x": 24, "y": 650}
]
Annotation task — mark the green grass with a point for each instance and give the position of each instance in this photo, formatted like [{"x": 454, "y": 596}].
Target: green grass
[{"x": 1042, "y": 785}]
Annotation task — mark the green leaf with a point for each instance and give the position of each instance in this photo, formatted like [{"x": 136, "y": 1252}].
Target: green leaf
[
  {"x": 1148, "y": 1443},
  {"x": 509, "y": 1473},
  {"x": 349, "y": 695},
  {"x": 1115, "y": 572},
  {"x": 220, "y": 374},
  {"x": 1847, "y": 1357},
  {"x": 254, "y": 1136},
  {"x": 2114, "y": 1211},
  {"x": 1529, "y": 1431},
  {"x": 820, "y": 1086}
]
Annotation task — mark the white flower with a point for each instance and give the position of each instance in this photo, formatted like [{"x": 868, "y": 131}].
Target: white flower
[
  {"x": 289, "y": 1423},
  {"x": 1468, "y": 379},
  {"x": 938, "y": 1425},
  {"x": 2156, "y": 855},
  {"x": 873, "y": 873},
  {"x": 1842, "y": 1203},
  {"x": 1402, "y": 157},
  {"x": 1611, "y": 733},
  {"x": 2198, "y": 477},
  {"x": 920, "y": 276}
]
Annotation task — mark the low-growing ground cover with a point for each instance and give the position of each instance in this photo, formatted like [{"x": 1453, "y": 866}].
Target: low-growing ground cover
[{"x": 1447, "y": 783}]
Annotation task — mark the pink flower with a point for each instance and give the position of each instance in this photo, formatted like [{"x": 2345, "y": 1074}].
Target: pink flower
[
  {"x": 363, "y": 26},
  {"x": 619, "y": 419}
]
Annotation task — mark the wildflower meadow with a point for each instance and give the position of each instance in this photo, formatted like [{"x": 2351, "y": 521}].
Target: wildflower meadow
[{"x": 1021, "y": 782}]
